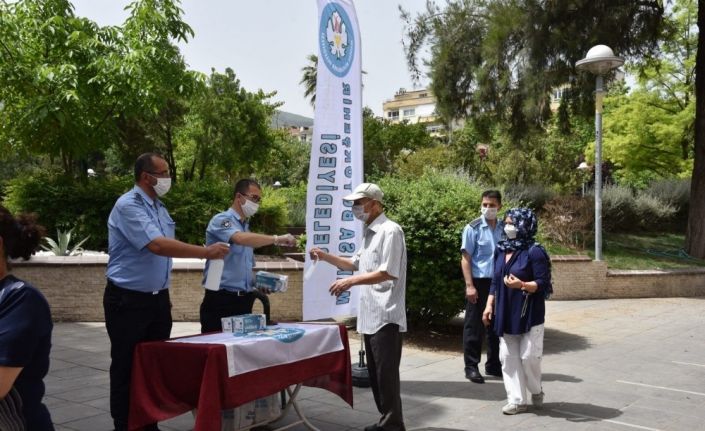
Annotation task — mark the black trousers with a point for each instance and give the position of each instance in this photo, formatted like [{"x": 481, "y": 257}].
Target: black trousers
[
  {"x": 383, "y": 352},
  {"x": 131, "y": 317},
  {"x": 474, "y": 330},
  {"x": 221, "y": 303}
]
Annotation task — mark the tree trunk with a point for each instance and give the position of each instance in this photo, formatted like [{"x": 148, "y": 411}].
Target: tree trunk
[{"x": 695, "y": 235}]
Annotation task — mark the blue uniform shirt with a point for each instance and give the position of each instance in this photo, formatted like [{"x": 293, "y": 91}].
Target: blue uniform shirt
[
  {"x": 237, "y": 268},
  {"x": 135, "y": 221},
  {"x": 25, "y": 341},
  {"x": 479, "y": 242}
]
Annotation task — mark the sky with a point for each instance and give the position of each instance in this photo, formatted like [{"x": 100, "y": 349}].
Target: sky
[{"x": 266, "y": 43}]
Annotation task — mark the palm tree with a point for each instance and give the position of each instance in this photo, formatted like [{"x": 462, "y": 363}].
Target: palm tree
[{"x": 310, "y": 73}]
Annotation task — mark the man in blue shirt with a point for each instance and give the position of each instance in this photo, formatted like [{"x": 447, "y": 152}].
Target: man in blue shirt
[
  {"x": 235, "y": 294},
  {"x": 479, "y": 239},
  {"x": 136, "y": 301}
]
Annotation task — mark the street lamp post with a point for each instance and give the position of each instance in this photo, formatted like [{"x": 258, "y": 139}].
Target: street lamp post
[
  {"x": 599, "y": 60},
  {"x": 582, "y": 167}
]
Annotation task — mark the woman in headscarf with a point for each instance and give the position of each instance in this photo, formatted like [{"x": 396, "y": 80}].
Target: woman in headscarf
[
  {"x": 25, "y": 332},
  {"x": 516, "y": 305}
]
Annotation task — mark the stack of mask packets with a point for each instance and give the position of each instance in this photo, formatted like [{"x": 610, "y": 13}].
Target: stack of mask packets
[
  {"x": 271, "y": 281},
  {"x": 244, "y": 323}
]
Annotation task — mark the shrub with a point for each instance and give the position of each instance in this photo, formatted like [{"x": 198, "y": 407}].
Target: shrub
[
  {"x": 568, "y": 220},
  {"x": 653, "y": 213},
  {"x": 193, "y": 203},
  {"x": 432, "y": 209},
  {"x": 295, "y": 198},
  {"x": 674, "y": 192},
  {"x": 273, "y": 215},
  {"x": 63, "y": 203},
  {"x": 534, "y": 196},
  {"x": 618, "y": 209}
]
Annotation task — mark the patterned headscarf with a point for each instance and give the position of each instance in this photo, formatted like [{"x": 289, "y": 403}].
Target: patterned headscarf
[{"x": 526, "y": 224}]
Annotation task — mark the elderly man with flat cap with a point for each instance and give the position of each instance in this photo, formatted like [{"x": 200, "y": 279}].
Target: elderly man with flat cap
[{"x": 381, "y": 274}]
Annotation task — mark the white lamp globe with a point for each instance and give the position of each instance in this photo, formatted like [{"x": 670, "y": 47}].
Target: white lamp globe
[{"x": 599, "y": 60}]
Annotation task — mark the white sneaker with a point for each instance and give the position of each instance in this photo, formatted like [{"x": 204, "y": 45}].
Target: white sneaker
[
  {"x": 512, "y": 409},
  {"x": 537, "y": 400}
]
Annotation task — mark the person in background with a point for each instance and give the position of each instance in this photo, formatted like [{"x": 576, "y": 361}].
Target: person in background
[
  {"x": 236, "y": 293},
  {"x": 381, "y": 267},
  {"x": 521, "y": 281},
  {"x": 480, "y": 237},
  {"x": 136, "y": 300},
  {"x": 25, "y": 331}
]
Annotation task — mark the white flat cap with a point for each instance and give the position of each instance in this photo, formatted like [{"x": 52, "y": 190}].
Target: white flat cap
[{"x": 366, "y": 190}]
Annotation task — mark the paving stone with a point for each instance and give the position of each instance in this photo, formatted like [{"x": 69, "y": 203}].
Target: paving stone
[{"x": 589, "y": 347}]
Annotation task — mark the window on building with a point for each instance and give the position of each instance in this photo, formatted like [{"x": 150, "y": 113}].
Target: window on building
[
  {"x": 423, "y": 95},
  {"x": 409, "y": 112},
  {"x": 393, "y": 114}
]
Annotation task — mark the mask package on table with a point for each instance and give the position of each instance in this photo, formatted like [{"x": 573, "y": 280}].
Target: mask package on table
[
  {"x": 244, "y": 323},
  {"x": 273, "y": 282}
]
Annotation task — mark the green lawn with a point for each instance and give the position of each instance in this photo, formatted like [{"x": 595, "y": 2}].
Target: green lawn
[{"x": 631, "y": 251}]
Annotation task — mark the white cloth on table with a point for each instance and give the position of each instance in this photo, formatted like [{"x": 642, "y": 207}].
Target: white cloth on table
[{"x": 276, "y": 345}]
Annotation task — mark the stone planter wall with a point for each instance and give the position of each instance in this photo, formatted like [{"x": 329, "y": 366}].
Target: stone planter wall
[{"x": 74, "y": 285}]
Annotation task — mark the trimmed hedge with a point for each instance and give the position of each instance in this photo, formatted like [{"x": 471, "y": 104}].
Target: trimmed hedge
[
  {"x": 64, "y": 204},
  {"x": 433, "y": 210}
]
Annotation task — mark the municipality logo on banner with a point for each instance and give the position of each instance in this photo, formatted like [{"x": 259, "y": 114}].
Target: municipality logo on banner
[
  {"x": 336, "y": 40},
  {"x": 336, "y": 159}
]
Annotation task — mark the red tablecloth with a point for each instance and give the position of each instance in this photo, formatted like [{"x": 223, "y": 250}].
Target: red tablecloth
[{"x": 169, "y": 379}]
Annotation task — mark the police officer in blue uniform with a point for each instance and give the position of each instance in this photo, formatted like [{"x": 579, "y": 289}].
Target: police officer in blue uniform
[
  {"x": 235, "y": 294},
  {"x": 136, "y": 301},
  {"x": 479, "y": 239}
]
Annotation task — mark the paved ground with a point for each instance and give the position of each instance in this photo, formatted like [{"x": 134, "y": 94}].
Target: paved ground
[{"x": 609, "y": 365}]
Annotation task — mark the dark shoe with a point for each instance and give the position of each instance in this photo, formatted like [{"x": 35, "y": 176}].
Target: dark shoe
[
  {"x": 497, "y": 372},
  {"x": 373, "y": 427},
  {"x": 474, "y": 376}
]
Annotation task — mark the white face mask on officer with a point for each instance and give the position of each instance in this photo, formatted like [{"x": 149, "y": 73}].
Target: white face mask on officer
[
  {"x": 162, "y": 187},
  {"x": 489, "y": 213},
  {"x": 249, "y": 208}
]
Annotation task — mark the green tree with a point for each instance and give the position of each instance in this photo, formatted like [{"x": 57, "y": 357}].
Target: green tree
[
  {"x": 49, "y": 61},
  {"x": 309, "y": 77},
  {"x": 228, "y": 127},
  {"x": 649, "y": 132},
  {"x": 695, "y": 234},
  {"x": 158, "y": 77},
  {"x": 498, "y": 60},
  {"x": 385, "y": 141},
  {"x": 70, "y": 89},
  {"x": 287, "y": 161}
]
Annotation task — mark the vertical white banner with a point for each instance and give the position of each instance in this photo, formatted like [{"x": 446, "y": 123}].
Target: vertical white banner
[{"x": 336, "y": 159}]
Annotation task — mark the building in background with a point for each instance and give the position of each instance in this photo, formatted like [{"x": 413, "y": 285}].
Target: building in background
[
  {"x": 416, "y": 106},
  {"x": 297, "y": 126}
]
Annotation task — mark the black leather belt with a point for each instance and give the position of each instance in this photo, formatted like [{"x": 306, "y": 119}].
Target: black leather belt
[{"x": 229, "y": 292}]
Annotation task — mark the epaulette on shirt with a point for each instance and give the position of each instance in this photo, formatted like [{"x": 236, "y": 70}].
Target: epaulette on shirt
[{"x": 476, "y": 223}]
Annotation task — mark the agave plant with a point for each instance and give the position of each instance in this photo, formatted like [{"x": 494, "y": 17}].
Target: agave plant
[{"x": 60, "y": 247}]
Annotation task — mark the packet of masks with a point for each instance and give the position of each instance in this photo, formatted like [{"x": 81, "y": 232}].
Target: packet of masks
[
  {"x": 273, "y": 282},
  {"x": 244, "y": 323}
]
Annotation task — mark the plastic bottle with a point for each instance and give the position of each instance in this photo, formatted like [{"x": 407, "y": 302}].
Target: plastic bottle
[{"x": 215, "y": 271}]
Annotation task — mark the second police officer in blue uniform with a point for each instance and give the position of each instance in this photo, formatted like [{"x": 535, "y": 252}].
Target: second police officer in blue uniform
[
  {"x": 479, "y": 240},
  {"x": 235, "y": 295}
]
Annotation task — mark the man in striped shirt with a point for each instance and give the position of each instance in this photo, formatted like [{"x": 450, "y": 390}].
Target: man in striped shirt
[{"x": 381, "y": 275}]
